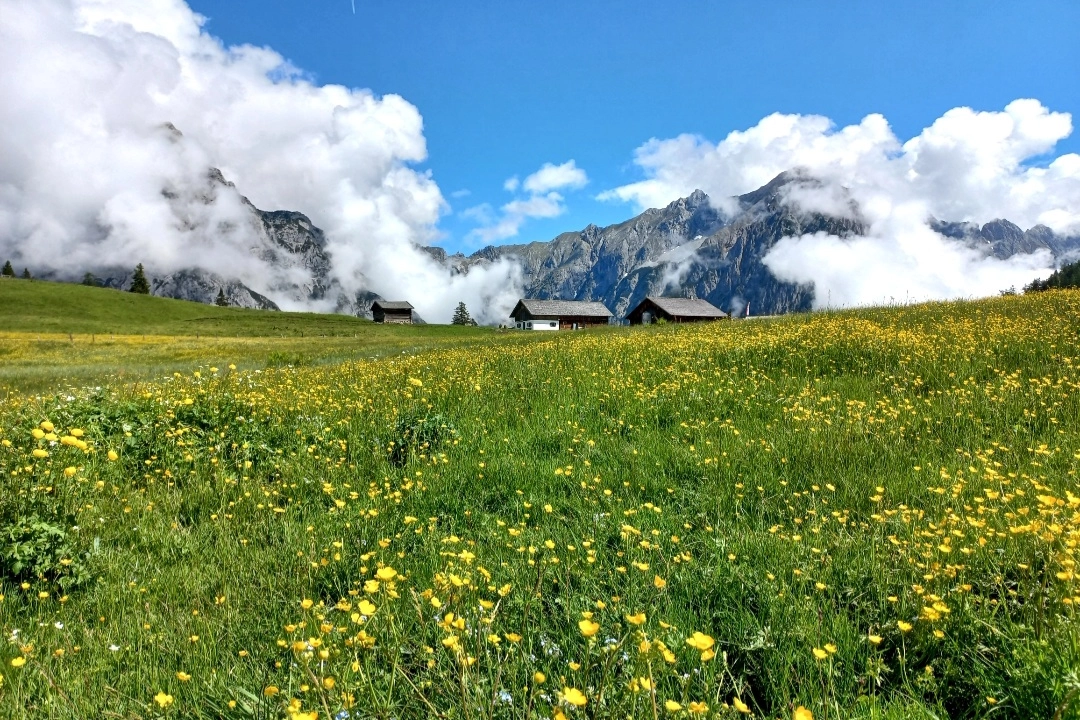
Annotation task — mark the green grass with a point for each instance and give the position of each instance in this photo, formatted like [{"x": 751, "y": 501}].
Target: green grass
[
  {"x": 48, "y": 307},
  {"x": 894, "y": 488},
  {"x": 60, "y": 335}
]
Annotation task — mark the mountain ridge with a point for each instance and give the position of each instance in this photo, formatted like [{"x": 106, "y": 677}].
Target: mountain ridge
[{"x": 691, "y": 247}]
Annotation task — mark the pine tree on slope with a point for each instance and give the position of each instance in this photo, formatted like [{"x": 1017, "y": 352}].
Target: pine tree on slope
[
  {"x": 461, "y": 315},
  {"x": 139, "y": 283}
]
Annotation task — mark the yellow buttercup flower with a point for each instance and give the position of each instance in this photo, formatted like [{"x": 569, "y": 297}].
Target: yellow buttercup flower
[
  {"x": 904, "y": 626},
  {"x": 740, "y": 706},
  {"x": 588, "y": 627},
  {"x": 182, "y": 676},
  {"x": 820, "y": 654},
  {"x": 574, "y": 696},
  {"x": 671, "y": 706},
  {"x": 163, "y": 700},
  {"x": 638, "y": 619},
  {"x": 386, "y": 573},
  {"x": 802, "y": 713},
  {"x": 700, "y": 641}
]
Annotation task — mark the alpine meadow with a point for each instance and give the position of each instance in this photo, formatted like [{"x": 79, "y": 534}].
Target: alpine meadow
[{"x": 860, "y": 514}]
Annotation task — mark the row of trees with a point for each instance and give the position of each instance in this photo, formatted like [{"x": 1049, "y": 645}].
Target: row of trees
[
  {"x": 9, "y": 271},
  {"x": 1067, "y": 276}
]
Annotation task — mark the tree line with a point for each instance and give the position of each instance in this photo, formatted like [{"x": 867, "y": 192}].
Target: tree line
[
  {"x": 1067, "y": 276},
  {"x": 9, "y": 271}
]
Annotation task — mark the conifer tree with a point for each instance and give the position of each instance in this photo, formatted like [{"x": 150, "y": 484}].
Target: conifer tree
[
  {"x": 461, "y": 316},
  {"x": 8, "y": 271},
  {"x": 89, "y": 279},
  {"x": 139, "y": 283},
  {"x": 26, "y": 274},
  {"x": 221, "y": 301}
]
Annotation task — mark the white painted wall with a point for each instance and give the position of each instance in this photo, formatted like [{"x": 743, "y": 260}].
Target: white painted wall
[{"x": 538, "y": 325}]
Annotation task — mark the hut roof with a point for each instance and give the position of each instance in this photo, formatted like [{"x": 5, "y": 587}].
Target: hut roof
[
  {"x": 686, "y": 307},
  {"x": 392, "y": 304},
  {"x": 541, "y": 308}
]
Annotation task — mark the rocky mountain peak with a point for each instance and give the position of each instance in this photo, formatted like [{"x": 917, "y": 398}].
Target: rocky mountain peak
[{"x": 1000, "y": 229}]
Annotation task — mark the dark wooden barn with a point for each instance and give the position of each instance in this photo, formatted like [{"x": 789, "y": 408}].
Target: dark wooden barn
[
  {"x": 559, "y": 314},
  {"x": 675, "y": 310},
  {"x": 392, "y": 311}
]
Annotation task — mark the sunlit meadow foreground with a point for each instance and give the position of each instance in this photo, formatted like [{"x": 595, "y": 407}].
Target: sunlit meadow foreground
[{"x": 866, "y": 514}]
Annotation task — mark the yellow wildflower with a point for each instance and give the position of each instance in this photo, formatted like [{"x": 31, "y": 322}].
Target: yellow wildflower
[{"x": 574, "y": 696}]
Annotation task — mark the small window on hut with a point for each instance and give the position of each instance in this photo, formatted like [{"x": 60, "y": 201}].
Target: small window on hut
[{"x": 552, "y": 324}]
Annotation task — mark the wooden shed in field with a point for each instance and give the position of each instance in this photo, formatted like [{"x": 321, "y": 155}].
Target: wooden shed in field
[
  {"x": 675, "y": 310},
  {"x": 559, "y": 314},
  {"x": 392, "y": 311}
]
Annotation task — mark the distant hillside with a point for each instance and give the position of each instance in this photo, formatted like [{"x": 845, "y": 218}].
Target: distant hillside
[{"x": 49, "y": 307}]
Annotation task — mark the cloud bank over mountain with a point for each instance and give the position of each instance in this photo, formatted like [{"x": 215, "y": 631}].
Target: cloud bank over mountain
[
  {"x": 92, "y": 174},
  {"x": 966, "y": 166}
]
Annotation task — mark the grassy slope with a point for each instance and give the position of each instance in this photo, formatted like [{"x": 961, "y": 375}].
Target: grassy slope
[
  {"x": 47, "y": 307},
  {"x": 59, "y": 334},
  {"x": 853, "y": 483}
]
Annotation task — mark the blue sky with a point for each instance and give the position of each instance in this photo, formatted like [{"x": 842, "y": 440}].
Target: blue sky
[{"x": 506, "y": 86}]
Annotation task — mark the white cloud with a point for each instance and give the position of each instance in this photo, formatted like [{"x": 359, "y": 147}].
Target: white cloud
[
  {"x": 514, "y": 214},
  {"x": 541, "y": 202},
  {"x": 966, "y": 166},
  {"x": 905, "y": 261},
  {"x": 554, "y": 177},
  {"x": 84, "y": 157}
]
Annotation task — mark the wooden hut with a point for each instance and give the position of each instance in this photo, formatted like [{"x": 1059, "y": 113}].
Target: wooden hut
[
  {"x": 559, "y": 314},
  {"x": 392, "y": 311},
  {"x": 676, "y": 310}
]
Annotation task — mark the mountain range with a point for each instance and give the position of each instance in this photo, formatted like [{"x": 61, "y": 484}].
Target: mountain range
[{"x": 693, "y": 247}]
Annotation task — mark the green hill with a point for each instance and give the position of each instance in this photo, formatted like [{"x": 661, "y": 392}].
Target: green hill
[
  {"x": 60, "y": 334},
  {"x": 51, "y": 307}
]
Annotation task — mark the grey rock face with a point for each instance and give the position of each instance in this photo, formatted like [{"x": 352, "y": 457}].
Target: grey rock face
[
  {"x": 692, "y": 248},
  {"x": 1003, "y": 239},
  {"x": 203, "y": 286},
  {"x": 288, "y": 243}
]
